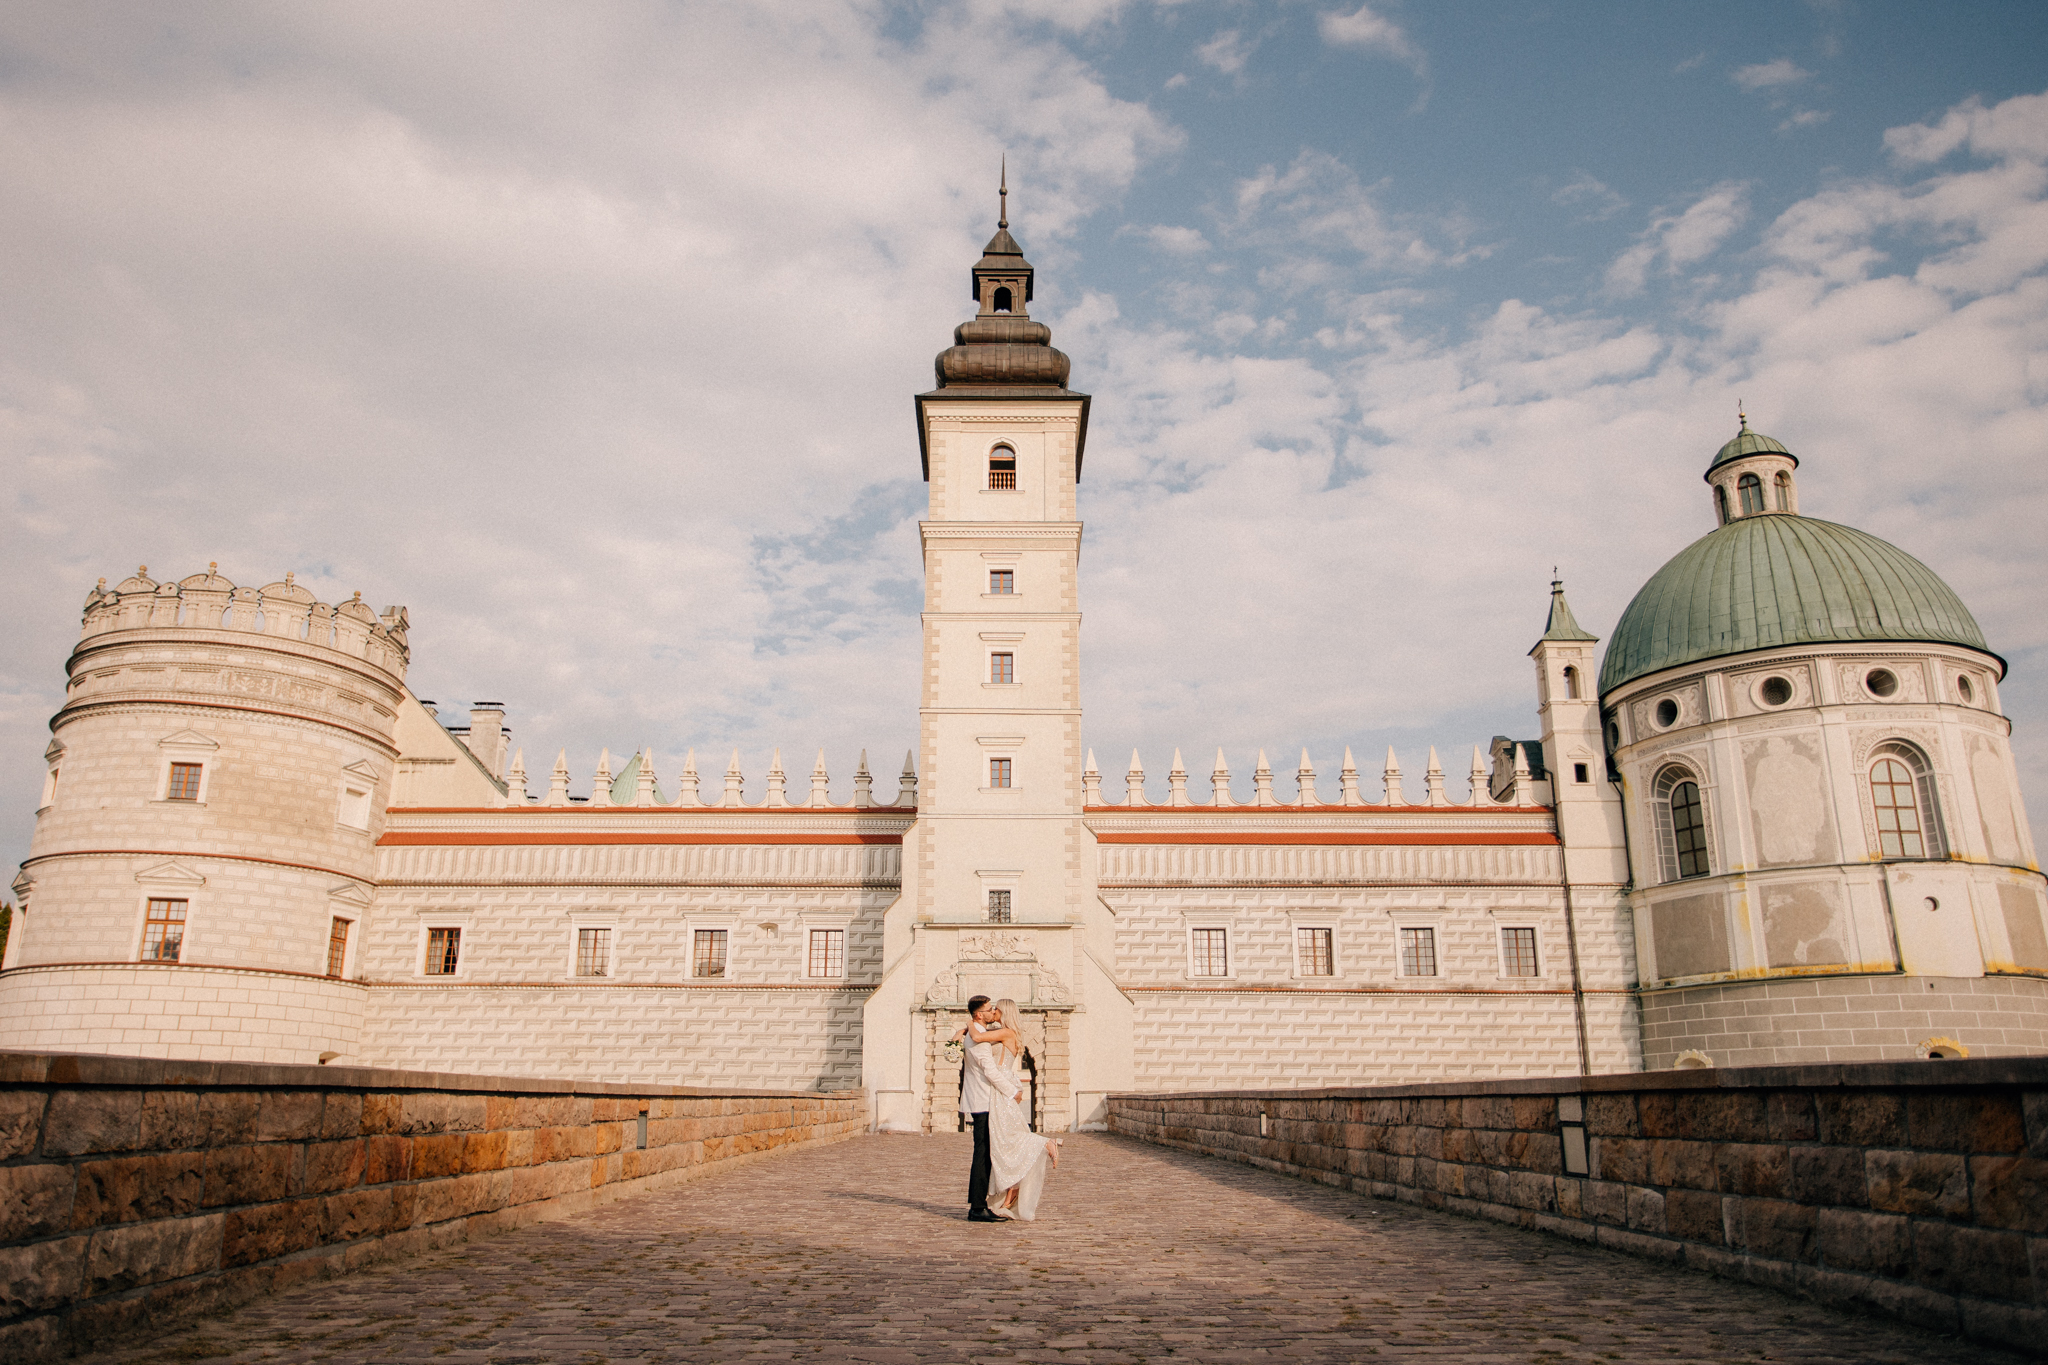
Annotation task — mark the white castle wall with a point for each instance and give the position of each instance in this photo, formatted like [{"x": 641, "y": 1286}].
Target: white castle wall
[{"x": 201, "y": 1013}]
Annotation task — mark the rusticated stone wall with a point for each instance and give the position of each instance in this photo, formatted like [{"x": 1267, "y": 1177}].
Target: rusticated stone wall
[
  {"x": 134, "y": 1188},
  {"x": 1917, "y": 1189}
]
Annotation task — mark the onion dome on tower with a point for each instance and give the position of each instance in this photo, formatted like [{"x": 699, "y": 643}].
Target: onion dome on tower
[
  {"x": 1000, "y": 352},
  {"x": 1769, "y": 578}
]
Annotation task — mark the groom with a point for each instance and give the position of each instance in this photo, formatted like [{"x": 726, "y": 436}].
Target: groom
[{"x": 975, "y": 1098}]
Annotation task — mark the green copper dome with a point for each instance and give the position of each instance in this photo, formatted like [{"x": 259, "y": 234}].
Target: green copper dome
[
  {"x": 1762, "y": 582},
  {"x": 1749, "y": 442}
]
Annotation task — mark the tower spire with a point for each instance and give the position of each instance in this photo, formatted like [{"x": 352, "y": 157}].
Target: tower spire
[{"x": 1003, "y": 195}]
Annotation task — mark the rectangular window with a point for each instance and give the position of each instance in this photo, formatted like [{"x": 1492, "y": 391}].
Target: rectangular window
[
  {"x": 184, "y": 782},
  {"x": 1002, "y": 582},
  {"x": 1212, "y": 952},
  {"x": 999, "y": 772},
  {"x": 593, "y": 952},
  {"x": 828, "y": 952},
  {"x": 1579, "y": 773},
  {"x": 163, "y": 932},
  {"x": 1518, "y": 951},
  {"x": 1002, "y": 668},
  {"x": 709, "y": 957},
  {"x": 355, "y": 807},
  {"x": 1418, "y": 952},
  {"x": 337, "y": 945},
  {"x": 444, "y": 949},
  {"x": 999, "y": 906},
  {"x": 1313, "y": 946}
]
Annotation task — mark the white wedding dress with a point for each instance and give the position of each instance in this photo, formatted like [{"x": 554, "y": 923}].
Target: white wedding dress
[{"x": 1017, "y": 1156}]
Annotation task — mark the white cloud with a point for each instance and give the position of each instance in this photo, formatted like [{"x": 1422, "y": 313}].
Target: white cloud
[
  {"x": 2017, "y": 128},
  {"x": 1772, "y": 75},
  {"x": 1594, "y": 199},
  {"x": 1805, "y": 118},
  {"x": 1682, "y": 239},
  {"x": 1175, "y": 241},
  {"x": 1369, "y": 31},
  {"x": 1321, "y": 219},
  {"x": 1228, "y": 51}
]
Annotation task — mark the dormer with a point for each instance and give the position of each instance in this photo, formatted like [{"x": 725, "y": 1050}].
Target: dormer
[{"x": 1752, "y": 476}]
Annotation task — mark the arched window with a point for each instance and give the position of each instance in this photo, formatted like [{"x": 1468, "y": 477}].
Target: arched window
[
  {"x": 1002, "y": 468},
  {"x": 1902, "y": 796},
  {"x": 1571, "y": 683},
  {"x": 1721, "y": 503},
  {"x": 1681, "y": 816},
  {"x": 1752, "y": 490},
  {"x": 1001, "y": 303},
  {"x": 1784, "y": 482}
]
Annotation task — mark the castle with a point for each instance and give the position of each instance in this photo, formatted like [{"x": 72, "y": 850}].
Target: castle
[{"x": 1780, "y": 823}]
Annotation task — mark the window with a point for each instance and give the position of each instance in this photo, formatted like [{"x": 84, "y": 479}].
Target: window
[
  {"x": 163, "y": 931},
  {"x": 999, "y": 906},
  {"x": 1211, "y": 952},
  {"x": 999, "y": 772},
  {"x": 1882, "y": 682},
  {"x": 1002, "y": 668},
  {"x": 1681, "y": 817},
  {"x": 1902, "y": 791},
  {"x": 1002, "y": 468},
  {"x": 1518, "y": 952},
  {"x": 1418, "y": 952},
  {"x": 1312, "y": 949},
  {"x": 1002, "y": 299},
  {"x": 1963, "y": 690},
  {"x": 1002, "y": 582},
  {"x": 444, "y": 950},
  {"x": 593, "y": 952},
  {"x": 50, "y": 778},
  {"x": 1721, "y": 503},
  {"x": 708, "y": 959},
  {"x": 1751, "y": 490},
  {"x": 1667, "y": 713},
  {"x": 1571, "y": 683},
  {"x": 828, "y": 952},
  {"x": 183, "y": 784},
  {"x": 355, "y": 805},
  {"x": 337, "y": 945},
  {"x": 1784, "y": 485},
  {"x": 1579, "y": 773},
  {"x": 1775, "y": 691}
]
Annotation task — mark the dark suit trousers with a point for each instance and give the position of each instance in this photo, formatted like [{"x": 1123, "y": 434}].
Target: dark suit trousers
[{"x": 978, "y": 1174}]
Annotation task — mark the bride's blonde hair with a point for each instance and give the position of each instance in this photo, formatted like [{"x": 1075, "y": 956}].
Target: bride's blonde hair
[{"x": 1007, "y": 1009}]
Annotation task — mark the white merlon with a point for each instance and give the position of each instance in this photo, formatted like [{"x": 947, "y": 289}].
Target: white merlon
[
  {"x": 1392, "y": 777},
  {"x": 1219, "y": 783},
  {"x": 1262, "y": 783},
  {"x": 1134, "y": 782},
  {"x": 1305, "y": 783},
  {"x": 1177, "y": 782},
  {"x": 1434, "y": 780}
]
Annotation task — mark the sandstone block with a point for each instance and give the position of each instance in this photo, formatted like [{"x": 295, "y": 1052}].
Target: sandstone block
[
  {"x": 1612, "y": 1116},
  {"x": 269, "y": 1230},
  {"x": 1827, "y": 1175},
  {"x": 1871, "y": 1243},
  {"x": 2013, "y": 1325},
  {"x": 355, "y": 1214},
  {"x": 381, "y": 1113},
  {"x": 1965, "y": 1122},
  {"x": 136, "y": 1188},
  {"x": 435, "y": 1155},
  {"x": 131, "y": 1254},
  {"x": 1623, "y": 1159},
  {"x": 171, "y": 1119},
  {"x": 2011, "y": 1192},
  {"x": 1789, "y": 1116},
  {"x": 1696, "y": 1215},
  {"x": 21, "y": 1120},
  {"x": 1975, "y": 1262},
  {"x": 386, "y": 1158},
  {"x": 81, "y": 1121},
  {"x": 229, "y": 1115},
  {"x": 287, "y": 1115},
  {"x": 433, "y": 1112},
  {"x": 332, "y": 1166},
  {"x": 2034, "y": 1107},
  {"x": 35, "y": 1201},
  {"x": 1927, "y": 1183},
  {"x": 251, "y": 1174},
  {"x": 342, "y": 1115},
  {"x": 1645, "y": 1210},
  {"x": 1860, "y": 1119},
  {"x": 1773, "y": 1228},
  {"x": 1753, "y": 1169},
  {"x": 1606, "y": 1201},
  {"x": 1687, "y": 1164},
  {"x": 41, "y": 1275}
]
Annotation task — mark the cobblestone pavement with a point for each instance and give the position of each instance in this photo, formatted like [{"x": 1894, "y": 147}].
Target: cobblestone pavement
[{"x": 858, "y": 1252}]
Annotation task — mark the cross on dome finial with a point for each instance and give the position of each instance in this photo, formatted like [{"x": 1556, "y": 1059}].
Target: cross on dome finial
[{"x": 1003, "y": 195}]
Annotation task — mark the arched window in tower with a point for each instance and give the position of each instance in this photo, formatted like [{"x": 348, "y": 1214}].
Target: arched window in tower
[
  {"x": 1571, "y": 683},
  {"x": 1721, "y": 503},
  {"x": 1002, "y": 468},
  {"x": 1784, "y": 482},
  {"x": 1001, "y": 302},
  {"x": 1752, "y": 490},
  {"x": 1902, "y": 798},
  {"x": 1681, "y": 816}
]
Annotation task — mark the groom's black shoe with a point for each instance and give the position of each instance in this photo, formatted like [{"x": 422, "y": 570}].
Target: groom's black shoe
[{"x": 983, "y": 1216}]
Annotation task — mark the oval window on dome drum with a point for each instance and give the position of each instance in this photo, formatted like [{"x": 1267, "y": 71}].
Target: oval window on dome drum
[
  {"x": 1964, "y": 690},
  {"x": 1667, "y": 713},
  {"x": 1881, "y": 682},
  {"x": 1775, "y": 691}
]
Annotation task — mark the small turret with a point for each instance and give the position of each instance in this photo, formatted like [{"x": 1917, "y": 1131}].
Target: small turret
[{"x": 1752, "y": 475}]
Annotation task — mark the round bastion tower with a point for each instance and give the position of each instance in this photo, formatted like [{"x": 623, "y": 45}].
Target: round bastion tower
[
  {"x": 203, "y": 854},
  {"x": 1830, "y": 857}
]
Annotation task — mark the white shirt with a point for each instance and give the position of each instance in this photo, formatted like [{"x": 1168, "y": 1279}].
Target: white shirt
[{"x": 983, "y": 1077}]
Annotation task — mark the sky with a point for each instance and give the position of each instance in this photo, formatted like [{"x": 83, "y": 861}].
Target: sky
[{"x": 588, "y": 333}]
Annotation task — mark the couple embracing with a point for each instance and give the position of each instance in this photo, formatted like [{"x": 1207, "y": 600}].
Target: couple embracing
[{"x": 1010, "y": 1161}]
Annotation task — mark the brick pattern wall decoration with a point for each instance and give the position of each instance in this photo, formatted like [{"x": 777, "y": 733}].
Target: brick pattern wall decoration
[
  {"x": 134, "y": 1190},
  {"x": 1917, "y": 1189}
]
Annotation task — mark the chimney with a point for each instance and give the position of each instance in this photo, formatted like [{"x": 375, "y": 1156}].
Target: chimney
[{"x": 488, "y": 736}]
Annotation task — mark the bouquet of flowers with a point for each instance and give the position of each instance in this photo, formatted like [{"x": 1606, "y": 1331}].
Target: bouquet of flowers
[{"x": 955, "y": 1052}]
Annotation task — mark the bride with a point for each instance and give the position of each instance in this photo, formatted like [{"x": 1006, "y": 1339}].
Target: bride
[{"x": 1018, "y": 1157}]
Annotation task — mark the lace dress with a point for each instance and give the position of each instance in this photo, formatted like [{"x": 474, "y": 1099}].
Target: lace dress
[{"x": 1017, "y": 1155}]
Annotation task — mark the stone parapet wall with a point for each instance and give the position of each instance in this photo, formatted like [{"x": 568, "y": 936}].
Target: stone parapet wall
[
  {"x": 1916, "y": 1189},
  {"x": 133, "y": 1189}
]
